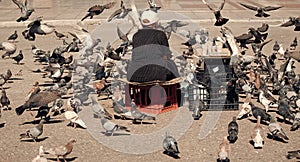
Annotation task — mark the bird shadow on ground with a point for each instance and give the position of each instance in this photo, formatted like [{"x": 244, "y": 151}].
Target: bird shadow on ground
[
  {"x": 282, "y": 121},
  {"x": 116, "y": 134},
  {"x": 47, "y": 122},
  {"x": 252, "y": 143},
  {"x": 276, "y": 138},
  {"x": 5, "y": 88},
  {"x": 105, "y": 98},
  {"x": 37, "y": 140},
  {"x": 77, "y": 126},
  {"x": 46, "y": 84},
  {"x": 141, "y": 123},
  {"x": 255, "y": 121},
  {"x": 19, "y": 63},
  {"x": 171, "y": 155},
  {"x": 14, "y": 79},
  {"x": 62, "y": 160},
  {"x": 226, "y": 160},
  {"x": 2, "y": 125},
  {"x": 243, "y": 117}
]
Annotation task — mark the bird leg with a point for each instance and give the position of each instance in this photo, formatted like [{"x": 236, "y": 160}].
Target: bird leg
[
  {"x": 74, "y": 125},
  {"x": 58, "y": 159}
]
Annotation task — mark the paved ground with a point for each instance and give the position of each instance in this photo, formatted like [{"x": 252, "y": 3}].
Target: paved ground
[{"x": 64, "y": 13}]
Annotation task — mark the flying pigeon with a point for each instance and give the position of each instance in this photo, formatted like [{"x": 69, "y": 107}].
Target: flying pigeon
[
  {"x": 219, "y": 19},
  {"x": 97, "y": 10},
  {"x": 261, "y": 11},
  {"x": 119, "y": 13},
  {"x": 25, "y": 10},
  {"x": 292, "y": 21}
]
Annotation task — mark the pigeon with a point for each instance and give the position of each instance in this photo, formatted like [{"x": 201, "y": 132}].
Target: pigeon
[
  {"x": 40, "y": 157},
  {"x": 34, "y": 132},
  {"x": 4, "y": 100},
  {"x": 153, "y": 6},
  {"x": 43, "y": 112},
  {"x": 5, "y": 77},
  {"x": 276, "y": 130},
  {"x": 57, "y": 105},
  {"x": 9, "y": 49},
  {"x": 99, "y": 111},
  {"x": 14, "y": 36},
  {"x": 111, "y": 127},
  {"x": 257, "y": 134},
  {"x": 296, "y": 123},
  {"x": 74, "y": 118},
  {"x": 294, "y": 44},
  {"x": 36, "y": 27},
  {"x": 97, "y": 10},
  {"x": 137, "y": 115},
  {"x": 170, "y": 146},
  {"x": 35, "y": 90},
  {"x": 259, "y": 37},
  {"x": 19, "y": 57},
  {"x": 224, "y": 150},
  {"x": 25, "y": 10},
  {"x": 62, "y": 150},
  {"x": 219, "y": 19},
  {"x": 198, "y": 107},
  {"x": 258, "y": 112},
  {"x": 284, "y": 110},
  {"x": 244, "y": 39},
  {"x": 119, "y": 13},
  {"x": 276, "y": 47},
  {"x": 265, "y": 101},
  {"x": 261, "y": 11},
  {"x": 293, "y": 154},
  {"x": 246, "y": 110},
  {"x": 119, "y": 109},
  {"x": 233, "y": 130},
  {"x": 292, "y": 21},
  {"x": 60, "y": 35},
  {"x": 40, "y": 99}
]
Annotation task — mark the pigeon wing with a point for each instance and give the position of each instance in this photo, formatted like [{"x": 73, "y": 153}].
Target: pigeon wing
[
  {"x": 19, "y": 4},
  {"x": 109, "y": 5},
  {"x": 244, "y": 36},
  {"x": 254, "y": 8},
  {"x": 114, "y": 14},
  {"x": 96, "y": 8},
  {"x": 288, "y": 23},
  {"x": 222, "y": 5},
  {"x": 263, "y": 28},
  {"x": 208, "y": 5},
  {"x": 271, "y": 8}
]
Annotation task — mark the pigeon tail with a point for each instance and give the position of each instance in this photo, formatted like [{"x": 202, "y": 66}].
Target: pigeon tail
[
  {"x": 86, "y": 16},
  {"x": 19, "y": 110}
]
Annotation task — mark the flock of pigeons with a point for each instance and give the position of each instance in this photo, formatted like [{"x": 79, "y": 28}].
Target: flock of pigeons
[{"x": 90, "y": 68}]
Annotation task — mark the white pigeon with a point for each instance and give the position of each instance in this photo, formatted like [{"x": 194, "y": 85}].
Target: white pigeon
[
  {"x": 40, "y": 157},
  {"x": 246, "y": 110},
  {"x": 74, "y": 118}
]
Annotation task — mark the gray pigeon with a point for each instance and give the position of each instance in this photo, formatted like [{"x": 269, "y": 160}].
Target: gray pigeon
[
  {"x": 34, "y": 133},
  {"x": 198, "y": 107},
  {"x": 4, "y": 100},
  {"x": 276, "y": 130},
  {"x": 292, "y": 21},
  {"x": 25, "y": 10},
  {"x": 111, "y": 127},
  {"x": 262, "y": 113},
  {"x": 139, "y": 116},
  {"x": 284, "y": 110},
  {"x": 171, "y": 147},
  {"x": 293, "y": 154},
  {"x": 120, "y": 109},
  {"x": 99, "y": 111}
]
